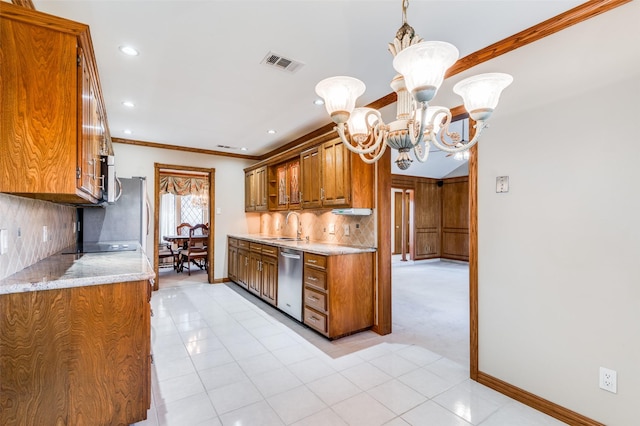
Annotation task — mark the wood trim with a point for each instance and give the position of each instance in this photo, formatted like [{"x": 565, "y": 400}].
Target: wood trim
[
  {"x": 473, "y": 262},
  {"x": 534, "y": 401},
  {"x": 182, "y": 148},
  {"x": 539, "y": 31},
  {"x": 29, "y": 16},
  {"x": 24, "y": 3},
  {"x": 382, "y": 300},
  {"x": 210, "y": 173},
  {"x": 220, "y": 280}
]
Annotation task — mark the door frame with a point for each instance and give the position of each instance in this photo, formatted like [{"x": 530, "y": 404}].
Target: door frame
[{"x": 158, "y": 167}]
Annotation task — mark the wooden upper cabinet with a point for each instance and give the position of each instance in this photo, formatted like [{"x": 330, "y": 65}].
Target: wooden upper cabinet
[
  {"x": 332, "y": 176},
  {"x": 255, "y": 190},
  {"x": 284, "y": 186},
  {"x": 51, "y": 108},
  {"x": 310, "y": 169},
  {"x": 336, "y": 178}
]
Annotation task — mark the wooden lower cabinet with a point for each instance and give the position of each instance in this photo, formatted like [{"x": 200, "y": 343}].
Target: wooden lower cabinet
[
  {"x": 338, "y": 293},
  {"x": 76, "y": 356},
  {"x": 269, "y": 274},
  {"x": 232, "y": 270}
]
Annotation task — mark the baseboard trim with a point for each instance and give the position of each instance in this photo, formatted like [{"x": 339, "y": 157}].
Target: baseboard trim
[
  {"x": 220, "y": 280},
  {"x": 534, "y": 401}
]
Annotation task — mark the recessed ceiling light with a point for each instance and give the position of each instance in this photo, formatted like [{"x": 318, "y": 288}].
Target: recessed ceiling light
[
  {"x": 243, "y": 149},
  {"x": 127, "y": 132},
  {"x": 128, "y": 104},
  {"x": 318, "y": 102},
  {"x": 128, "y": 50},
  {"x": 271, "y": 132}
]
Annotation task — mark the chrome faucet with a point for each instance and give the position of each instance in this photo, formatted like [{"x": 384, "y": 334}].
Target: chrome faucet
[{"x": 298, "y": 230}]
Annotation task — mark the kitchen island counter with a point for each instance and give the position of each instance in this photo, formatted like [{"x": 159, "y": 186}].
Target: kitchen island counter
[
  {"x": 78, "y": 270},
  {"x": 326, "y": 249}
]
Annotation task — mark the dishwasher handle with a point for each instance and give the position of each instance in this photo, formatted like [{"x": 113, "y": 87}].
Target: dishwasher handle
[{"x": 290, "y": 256}]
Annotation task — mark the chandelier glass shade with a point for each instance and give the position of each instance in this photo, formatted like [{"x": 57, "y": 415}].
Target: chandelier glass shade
[{"x": 421, "y": 67}]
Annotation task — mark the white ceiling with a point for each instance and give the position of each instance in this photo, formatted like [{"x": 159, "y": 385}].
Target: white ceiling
[{"x": 198, "y": 80}]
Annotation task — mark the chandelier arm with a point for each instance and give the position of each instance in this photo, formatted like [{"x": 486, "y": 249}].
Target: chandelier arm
[
  {"x": 480, "y": 125},
  {"x": 375, "y": 158},
  {"x": 422, "y": 152},
  {"x": 359, "y": 149},
  {"x": 415, "y": 140}
]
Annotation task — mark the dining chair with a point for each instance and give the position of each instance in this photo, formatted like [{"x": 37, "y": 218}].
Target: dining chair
[
  {"x": 183, "y": 228},
  {"x": 196, "y": 252},
  {"x": 165, "y": 252}
]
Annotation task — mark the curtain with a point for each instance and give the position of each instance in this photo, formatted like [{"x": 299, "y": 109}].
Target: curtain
[{"x": 180, "y": 185}]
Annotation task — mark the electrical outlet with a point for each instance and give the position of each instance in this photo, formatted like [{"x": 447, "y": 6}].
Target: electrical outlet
[
  {"x": 345, "y": 228},
  {"x": 608, "y": 380},
  {"x": 45, "y": 233},
  {"x": 332, "y": 228}
]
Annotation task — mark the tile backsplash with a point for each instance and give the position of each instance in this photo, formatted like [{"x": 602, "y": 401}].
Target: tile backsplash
[
  {"x": 322, "y": 226},
  {"x": 23, "y": 219}
]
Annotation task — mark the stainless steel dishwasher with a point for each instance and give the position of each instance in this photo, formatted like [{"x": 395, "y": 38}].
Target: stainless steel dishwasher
[{"x": 290, "y": 282}]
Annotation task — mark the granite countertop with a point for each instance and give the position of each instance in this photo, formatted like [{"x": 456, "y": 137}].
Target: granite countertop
[
  {"x": 79, "y": 270},
  {"x": 326, "y": 249}
]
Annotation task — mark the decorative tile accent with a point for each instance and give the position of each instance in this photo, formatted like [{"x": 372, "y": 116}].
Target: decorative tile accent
[
  {"x": 24, "y": 218},
  {"x": 316, "y": 225}
]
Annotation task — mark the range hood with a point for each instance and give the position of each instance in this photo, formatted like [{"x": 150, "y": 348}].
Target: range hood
[{"x": 353, "y": 212}]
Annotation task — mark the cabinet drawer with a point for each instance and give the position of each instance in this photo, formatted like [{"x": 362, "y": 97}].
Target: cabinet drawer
[
  {"x": 315, "y": 300},
  {"x": 270, "y": 251},
  {"x": 233, "y": 242},
  {"x": 315, "y": 320},
  {"x": 315, "y": 278},
  {"x": 256, "y": 247},
  {"x": 316, "y": 260},
  {"x": 243, "y": 244}
]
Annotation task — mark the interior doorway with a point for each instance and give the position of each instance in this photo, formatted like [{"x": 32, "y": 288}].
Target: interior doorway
[
  {"x": 182, "y": 194},
  {"x": 402, "y": 223}
]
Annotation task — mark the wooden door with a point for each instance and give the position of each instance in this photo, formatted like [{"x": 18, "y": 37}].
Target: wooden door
[
  {"x": 269, "y": 269},
  {"x": 281, "y": 184},
  {"x": 397, "y": 218},
  {"x": 336, "y": 179},
  {"x": 427, "y": 220},
  {"x": 455, "y": 219},
  {"x": 311, "y": 178}
]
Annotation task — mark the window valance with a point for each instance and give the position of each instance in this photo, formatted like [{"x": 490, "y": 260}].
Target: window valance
[{"x": 182, "y": 185}]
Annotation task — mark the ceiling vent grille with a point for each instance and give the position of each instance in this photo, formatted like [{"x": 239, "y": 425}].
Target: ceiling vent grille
[{"x": 273, "y": 60}]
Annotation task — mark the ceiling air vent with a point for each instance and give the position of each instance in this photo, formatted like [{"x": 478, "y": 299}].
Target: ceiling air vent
[{"x": 274, "y": 60}]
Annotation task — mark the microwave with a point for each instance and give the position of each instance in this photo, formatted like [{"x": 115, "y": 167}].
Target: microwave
[{"x": 108, "y": 170}]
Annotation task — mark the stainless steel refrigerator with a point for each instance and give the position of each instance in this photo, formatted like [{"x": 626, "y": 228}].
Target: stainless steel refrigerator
[{"x": 124, "y": 221}]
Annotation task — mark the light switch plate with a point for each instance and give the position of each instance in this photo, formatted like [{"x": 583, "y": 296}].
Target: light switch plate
[
  {"x": 345, "y": 229},
  {"x": 332, "y": 228},
  {"x": 502, "y": 184},
  {"x": 4, "y": 241}
]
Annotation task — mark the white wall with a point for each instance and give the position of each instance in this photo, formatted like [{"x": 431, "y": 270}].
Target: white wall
[
  {"x": 134, "y": 160},
  {"x": 559, "y": 284}
]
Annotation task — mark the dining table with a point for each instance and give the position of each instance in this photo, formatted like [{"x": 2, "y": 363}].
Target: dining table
[{"x": 182, "y": 241}]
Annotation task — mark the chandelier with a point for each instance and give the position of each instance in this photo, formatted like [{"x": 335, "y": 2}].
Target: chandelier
[{"x": 421, "y": 66}]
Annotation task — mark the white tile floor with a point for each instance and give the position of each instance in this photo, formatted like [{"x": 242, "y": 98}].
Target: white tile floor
[{"x": 221, "y": 359}]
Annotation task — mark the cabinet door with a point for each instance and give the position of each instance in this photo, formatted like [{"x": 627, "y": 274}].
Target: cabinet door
[
  {"x": 311, "y": 178},
  {"x": 249, "y": 192},
  {"x": 242, "y": 272},
  {"x": 255, "y": 276},
  {"x": 281, "y": 182},
  {"x": 233, "y": 263},
  {"x": 38, "y": 72},
  {"x": 260, "y": 188},
  {"x": 293, "y": 183},
  {"x": 336, "y": 188},
  {"x": 269, "y": 279},
  {"x": 89, "y": 136}
]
